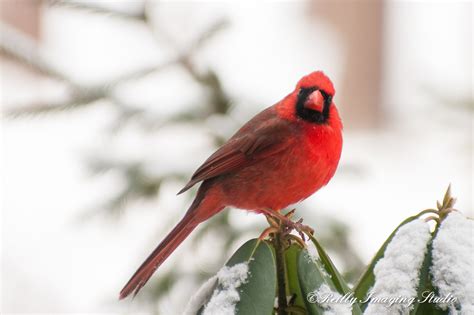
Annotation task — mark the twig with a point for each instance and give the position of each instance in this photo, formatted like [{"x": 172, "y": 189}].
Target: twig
[
  {"x": 139, "y": 16},
  {"x": 23, "y": 49},
  {"x": 279, "y": 244}
]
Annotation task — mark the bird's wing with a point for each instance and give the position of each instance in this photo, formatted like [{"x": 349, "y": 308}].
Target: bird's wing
[{"x": 246, "y": 147}]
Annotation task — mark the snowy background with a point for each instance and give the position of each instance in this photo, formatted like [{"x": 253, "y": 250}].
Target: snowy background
[{"x": 56, "y": 260}]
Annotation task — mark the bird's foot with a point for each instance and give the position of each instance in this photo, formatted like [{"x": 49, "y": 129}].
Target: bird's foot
[
  {"x": 283, "y": 223},
  {"x": 267, "y": 232},
  {"x": 299, "y": 227}
]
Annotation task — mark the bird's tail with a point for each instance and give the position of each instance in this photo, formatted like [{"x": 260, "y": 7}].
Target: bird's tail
[
  {"x": 159, "y": 255},
  {"x": 201, "y": 209}
]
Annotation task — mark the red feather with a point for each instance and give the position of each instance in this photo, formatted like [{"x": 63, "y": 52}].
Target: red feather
[
  {"x": 266, "y": 134},
  {"x": 276, "y": 159}
]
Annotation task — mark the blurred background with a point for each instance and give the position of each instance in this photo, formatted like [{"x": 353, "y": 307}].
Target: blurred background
[{"x": 109, "y": 106}]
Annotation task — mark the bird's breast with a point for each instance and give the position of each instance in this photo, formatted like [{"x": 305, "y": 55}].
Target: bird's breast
[{"x": 289, "y": 176}]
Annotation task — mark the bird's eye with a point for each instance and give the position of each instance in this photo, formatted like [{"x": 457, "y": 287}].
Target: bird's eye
[
  {"x": 304, "y": 93},
  {"x": 327, "y": 97}
]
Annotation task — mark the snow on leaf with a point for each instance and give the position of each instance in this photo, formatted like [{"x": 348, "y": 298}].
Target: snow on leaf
[
  {"x": 332, "y": 302},
  {"x": 226, "y": 296},
  {"x": 397, "y": 273},
  {"x": 453, "y": 251},
  {"x": 313, "y": 256},
  {"x": 201, "y": 296}
]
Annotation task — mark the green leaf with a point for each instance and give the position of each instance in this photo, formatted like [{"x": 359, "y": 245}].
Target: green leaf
[
  {"x": 424, "y": 282},
  {"x": 310, "y": 279},
  {"x": 339, "y": 282},
  {"x": 431, "y": 309},
  {"x": 332, "y": 276},
  {"x": 367, "y": 280},
  {"x": 257, "y": 294},
  {"x": 426, "y": 285},
  {"x": 291, "y": 262}
]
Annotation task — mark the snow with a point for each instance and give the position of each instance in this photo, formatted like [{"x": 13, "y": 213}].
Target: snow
[
  {"x": 313, "y": 255},
  {"x": 453, "y": 250},
  {"x": 397, "y": 273},
  {"x": 332, "y": 302},
  {"x": 312, "y": 251},
  {"x": 224, "y": 299},
  {"x": 201, "y": 296},
  {"x": 375, "y": 164}
]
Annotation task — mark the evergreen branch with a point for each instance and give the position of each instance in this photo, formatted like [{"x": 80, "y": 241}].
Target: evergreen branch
[
  {"x": 23, "y": 49},
  {"x": 94, "y": 9}
]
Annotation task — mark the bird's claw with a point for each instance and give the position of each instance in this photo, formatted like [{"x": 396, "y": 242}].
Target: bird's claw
[
  {"x": 290, "y": 214},
  {"x": 267, "y": 232},
  {"x": 283, "y": 223},
  {"x": 299, "y": 227}
]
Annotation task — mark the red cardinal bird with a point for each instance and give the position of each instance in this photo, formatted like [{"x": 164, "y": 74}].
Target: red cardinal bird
[{"x": 281, "y": 156}]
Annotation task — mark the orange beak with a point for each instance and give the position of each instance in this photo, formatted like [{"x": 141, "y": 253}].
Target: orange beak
[{"x": 315, "y": 101}]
